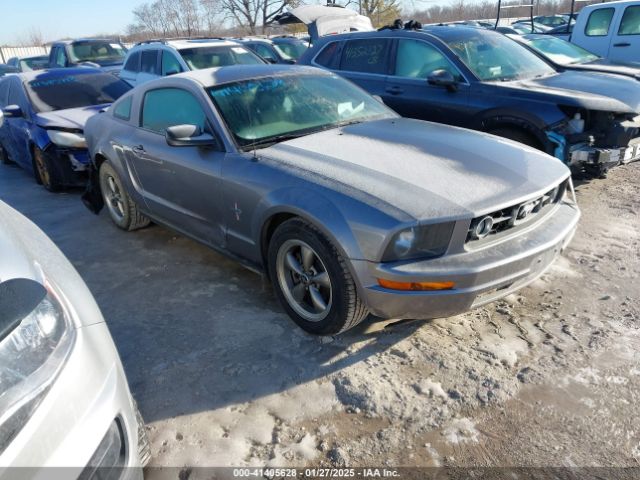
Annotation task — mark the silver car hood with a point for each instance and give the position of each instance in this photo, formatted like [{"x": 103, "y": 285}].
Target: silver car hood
[{"x": 425, "y": 169}]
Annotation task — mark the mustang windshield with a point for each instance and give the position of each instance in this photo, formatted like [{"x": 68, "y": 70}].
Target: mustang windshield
[
  {"x": 263, "y": 111},
  {"x": 494, "y": 57},
  {"x": 74, "y": 91},
  {"x": 561, "y": 51}
]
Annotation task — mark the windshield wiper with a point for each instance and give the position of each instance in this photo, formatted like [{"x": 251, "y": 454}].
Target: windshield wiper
[{"x": 267, "y": 142}]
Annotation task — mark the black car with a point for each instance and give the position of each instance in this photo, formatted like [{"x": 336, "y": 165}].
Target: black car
[
  {"x": 565, "y": 55},
  {"x": 481, "y": 79},
  {"x": 266, "y": 50},
  {"x": 292, "y": 46},
  {"x": 106, "y": 54}
]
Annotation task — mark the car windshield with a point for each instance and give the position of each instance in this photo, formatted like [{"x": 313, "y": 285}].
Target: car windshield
[
  {"x": 101, "y": 52},
  {"x": 34, "y": 63},
  {"x": 209, "y": 57},
  {"x": 73, "y": 91},
  {"x": 263, "y": 111},
  {"x": 561, "y": 51},
  {"x": 493, "y": 57},
  {"x": 293, "y": 50}
]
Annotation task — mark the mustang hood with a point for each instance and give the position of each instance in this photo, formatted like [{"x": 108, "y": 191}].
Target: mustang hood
[
  {"x": 74, "y": 118},
  {"x": 590, "y": 90},
  {"x": 425, "y": 169}
]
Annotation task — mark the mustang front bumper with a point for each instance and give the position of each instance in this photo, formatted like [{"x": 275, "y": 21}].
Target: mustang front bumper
[{"x": 480, "y": 276}]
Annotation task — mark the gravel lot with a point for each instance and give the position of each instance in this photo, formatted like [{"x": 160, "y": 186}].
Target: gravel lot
[{"x": 548, "y": 377}]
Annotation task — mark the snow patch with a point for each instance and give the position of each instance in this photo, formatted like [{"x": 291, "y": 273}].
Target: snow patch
[{"x": 462, "y": 430}]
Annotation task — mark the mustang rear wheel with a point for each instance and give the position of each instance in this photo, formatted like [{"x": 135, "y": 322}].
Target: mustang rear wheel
[
  {"x": 122, "y": 209},
  {"x": 312, "y": 281}
]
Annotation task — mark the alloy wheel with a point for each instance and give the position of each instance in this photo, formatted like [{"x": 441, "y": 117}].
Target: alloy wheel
[
  {"x": 43, "y": 170},
  {"x": 304, "y": 280},
  {"x": 113, "y": 197}
]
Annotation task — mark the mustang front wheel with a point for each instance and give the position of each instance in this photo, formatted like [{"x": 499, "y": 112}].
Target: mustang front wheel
[{"x": 312, "y": 281}]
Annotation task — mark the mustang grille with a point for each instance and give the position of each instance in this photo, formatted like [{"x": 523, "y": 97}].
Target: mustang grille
[{"x": 495, "y": 223}]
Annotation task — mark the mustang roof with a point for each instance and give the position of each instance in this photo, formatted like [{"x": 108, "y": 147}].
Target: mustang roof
[{"x": 234, "y": 73}]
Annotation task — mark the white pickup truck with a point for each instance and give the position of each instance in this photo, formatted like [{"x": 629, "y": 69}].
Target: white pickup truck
[{"x": 611, "y": 30}]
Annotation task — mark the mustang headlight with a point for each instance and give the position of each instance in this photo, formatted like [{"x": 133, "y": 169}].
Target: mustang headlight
[
  {"x": 67, "y": 139},
  {"x": 36, "y": 336},
  {"x": 421, "y": 241}
]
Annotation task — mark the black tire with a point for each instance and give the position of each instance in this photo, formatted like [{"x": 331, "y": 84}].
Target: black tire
[
  {"x": 124, "y": 212},
  {"x": 46, "y": 174},
  {"x": 4, "y": 157},
  {"x": 344, "y": 309},
  {"x": 517, "y": 135}
]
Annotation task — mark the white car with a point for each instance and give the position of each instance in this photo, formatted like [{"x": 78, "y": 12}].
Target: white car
[
  {"x": 159, "y": 58},
  {"x": 64, "y": 398},
  {"x": 611, "y": 30}
]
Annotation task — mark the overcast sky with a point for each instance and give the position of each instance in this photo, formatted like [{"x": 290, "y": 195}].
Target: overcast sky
[{"x": 76, "y": 18}]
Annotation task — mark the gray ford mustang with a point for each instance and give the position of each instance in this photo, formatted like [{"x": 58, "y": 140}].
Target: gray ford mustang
[{"x": 348, "y": 208}]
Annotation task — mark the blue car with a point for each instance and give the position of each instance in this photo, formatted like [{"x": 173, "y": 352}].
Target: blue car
[{"x": 44, "y": 116}]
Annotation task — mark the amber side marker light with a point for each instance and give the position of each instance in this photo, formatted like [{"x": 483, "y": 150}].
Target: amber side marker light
[{"x": 416, "y": 286}]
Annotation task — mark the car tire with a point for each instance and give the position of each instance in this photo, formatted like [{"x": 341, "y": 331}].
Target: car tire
[
  {"x": 4, "y": 156},
  {"x": 45, "y": 173},
  {"x": 122, "y": 209},
  {"x": 517, "y": 135},
  {"x": 309, "y": 273}
]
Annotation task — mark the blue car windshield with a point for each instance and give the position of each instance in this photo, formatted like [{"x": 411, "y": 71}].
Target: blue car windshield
[
  {"x": 493, "y": 57},
  {"x": 267, "y": 110},
  {"x": 561, "y": 51},
  {"x": 74, "y": 91}
]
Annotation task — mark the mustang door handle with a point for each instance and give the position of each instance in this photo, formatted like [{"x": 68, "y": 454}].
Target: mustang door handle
[
  {"x": 621, "y": 44},
  {"x": 394, "y": 90},
  {"x": 138, "y": 149}
]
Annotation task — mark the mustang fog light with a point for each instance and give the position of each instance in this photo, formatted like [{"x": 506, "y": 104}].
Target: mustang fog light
[
  {"x": 416, "y": 286},
  {"x": 36, "y": 336}
]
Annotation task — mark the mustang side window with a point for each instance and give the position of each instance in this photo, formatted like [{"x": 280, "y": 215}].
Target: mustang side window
[
  {"x": 417, "y": 59},
  {"x": 599, "y": 22},
  {"x": 122, "y": 109},
  {"x": 167, "y": 107},
  {"x": 630, "y": 24},
  {"x": 366, "y": 55}
]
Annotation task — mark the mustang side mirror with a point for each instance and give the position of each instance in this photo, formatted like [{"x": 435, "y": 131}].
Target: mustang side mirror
[
  {"x": 189, "y": 136},
  {"x": 12, "y": 111},
  {"x": 443, "y": 78}
]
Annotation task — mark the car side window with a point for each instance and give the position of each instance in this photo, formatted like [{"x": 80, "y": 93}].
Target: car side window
[
  {"x": 166, "y": 107},
  {"x": 122, "y": 109},
  {"x": 368, "y": 55},
  {"x": 133, "y": 63},
  {"x": 17, "y": 95},
  {"x": 599, "y": 22},
  {"x": 170, "y": 64},
  {"x": 264, "y": 52},
  {"x": 418, "y": 59},
  {"x": 630, "y": 23},
  {"x": 149, "y": 62},
  {"x": 327, "y": 56},
  {"x": 60, "y": 59}
]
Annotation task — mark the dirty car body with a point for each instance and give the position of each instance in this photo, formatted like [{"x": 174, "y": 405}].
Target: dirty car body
[
  {"x": 479, "y": 79},
  {"x": 64, "y": 398},
  {"x": 429, "y": 220},
  {"x": 44, "y": 116}
]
